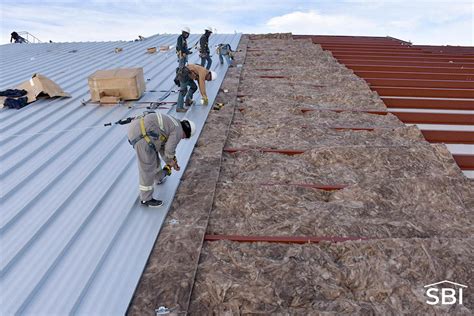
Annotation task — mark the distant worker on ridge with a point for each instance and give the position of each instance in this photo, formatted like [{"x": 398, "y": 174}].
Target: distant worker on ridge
[
  {"x": 185, "y": 77},
  {"x": 151, "y": 135},
  {"x": 17, "y": 38},
  {"x": 204, "y": 51}
]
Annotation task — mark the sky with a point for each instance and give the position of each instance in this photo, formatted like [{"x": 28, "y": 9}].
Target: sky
[{"x": 420, "y": 22}]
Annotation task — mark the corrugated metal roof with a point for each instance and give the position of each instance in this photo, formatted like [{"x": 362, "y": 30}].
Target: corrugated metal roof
[{"x": 74, "y": 238}]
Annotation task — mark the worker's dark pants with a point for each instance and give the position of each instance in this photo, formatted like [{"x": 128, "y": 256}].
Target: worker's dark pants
[
  {"x": 182, "y": 61},
  {"x": 184, "y": 92},
  {"x": 207, "y": 58}
]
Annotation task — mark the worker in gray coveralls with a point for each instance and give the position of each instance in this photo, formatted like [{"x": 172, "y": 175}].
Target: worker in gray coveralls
[{"x": 151, "y": 135}]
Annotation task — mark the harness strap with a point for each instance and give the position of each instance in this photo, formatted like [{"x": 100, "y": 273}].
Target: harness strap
[
  {"x": 143, "y": 130},
  {"x": 146, "y": 136}
]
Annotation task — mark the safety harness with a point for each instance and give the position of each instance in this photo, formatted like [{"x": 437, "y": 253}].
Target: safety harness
[{"x": 148, "y": 135}]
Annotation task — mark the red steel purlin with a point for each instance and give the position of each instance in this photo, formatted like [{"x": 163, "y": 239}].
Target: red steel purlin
[
  {"x": 325, "y": 187},
  {"x": 414, "y": 77},
  {"x": 282, "y": 239}
]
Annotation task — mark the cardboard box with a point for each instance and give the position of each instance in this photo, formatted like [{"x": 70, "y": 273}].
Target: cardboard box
[
  {"x": 125, "y": 83},
  {"x": 39, "y": 84},
  {"x": 109, "y": 100},
  {"x": 165, "y": 48},
  {"x": 151, "y": 50}
]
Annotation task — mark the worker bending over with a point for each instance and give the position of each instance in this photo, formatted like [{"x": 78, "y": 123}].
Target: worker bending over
[
  {"x": 185, "y": 77},
  {"x": 151, "y": 135},
  {"x": 225, "y": 51},
  {"x": 204, "y": 51},
  {"x": 182, "y": 49},
  {"x": 17, "y": 38}
]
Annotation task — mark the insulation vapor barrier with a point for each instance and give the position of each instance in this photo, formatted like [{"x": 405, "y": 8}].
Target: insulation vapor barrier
[
  {"x": 384, "y": 277},
  {"x": 404, "y": 198}
]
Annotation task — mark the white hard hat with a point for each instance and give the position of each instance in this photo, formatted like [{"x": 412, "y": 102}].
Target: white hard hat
[
  {"x": 213, "y": 75},
  {"x": 193, "y": 128},
  {"x": 208, "y": 29},
  {"x": 186, "y": 29}
]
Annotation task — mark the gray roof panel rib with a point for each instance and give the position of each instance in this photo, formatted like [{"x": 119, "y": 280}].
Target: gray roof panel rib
[{"x": 73, "y": 236}]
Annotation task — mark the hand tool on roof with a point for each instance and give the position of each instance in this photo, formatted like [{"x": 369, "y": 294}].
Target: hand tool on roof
[
  {"x": 218, "y": 106},
  {"x": 162, "y": 310},
  {"x": 121, "y": 122}
]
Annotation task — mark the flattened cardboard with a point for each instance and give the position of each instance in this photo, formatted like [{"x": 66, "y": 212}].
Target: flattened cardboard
[
  {"x": 126, "y": 83},
  {"x": 40, "y": 84}
]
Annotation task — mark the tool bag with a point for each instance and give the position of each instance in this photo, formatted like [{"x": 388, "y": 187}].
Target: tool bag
[{"x": 182, "y": 75}]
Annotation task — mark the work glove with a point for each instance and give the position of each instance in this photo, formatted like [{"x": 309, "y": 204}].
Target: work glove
[
  {"x": 204, "y": 101},
  {"x": 174, "y": 164},
  {"x": 167, "y": 170}
]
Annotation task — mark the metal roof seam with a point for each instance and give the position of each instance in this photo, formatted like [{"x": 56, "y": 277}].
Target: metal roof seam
[{"x": 73, "y": 194}]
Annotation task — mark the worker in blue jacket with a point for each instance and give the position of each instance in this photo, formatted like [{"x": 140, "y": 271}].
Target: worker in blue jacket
[
  {"x": 182, "y": 49},
  {"x": 204, "y": 51}
]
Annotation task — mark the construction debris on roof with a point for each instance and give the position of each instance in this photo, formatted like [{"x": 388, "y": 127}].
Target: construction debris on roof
[
  {"x": 311, "y": 156},
  {"x": 74, "y": 238},
  {"x": 38, "y": 85}
]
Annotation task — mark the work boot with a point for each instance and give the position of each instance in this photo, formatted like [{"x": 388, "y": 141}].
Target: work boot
[
  {"x": 189, "y": 102},
  {"x": 152, "y": 203},
  {"x": 181, "y": 109}
]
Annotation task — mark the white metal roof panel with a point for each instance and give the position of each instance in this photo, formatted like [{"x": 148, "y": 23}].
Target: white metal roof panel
[{"x": 73, "y": 236}]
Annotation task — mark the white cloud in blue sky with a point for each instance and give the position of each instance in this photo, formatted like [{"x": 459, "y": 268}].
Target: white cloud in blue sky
[{"x": 422, "y": 22}]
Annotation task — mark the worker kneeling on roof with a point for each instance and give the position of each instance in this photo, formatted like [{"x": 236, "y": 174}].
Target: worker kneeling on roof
[
  {"x": 185, "y": 77},
  {"x": 151, "y": 135}
]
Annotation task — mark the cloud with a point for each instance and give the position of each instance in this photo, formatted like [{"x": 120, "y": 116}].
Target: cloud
[
  {"x": 423, "y": 22},
  {"x": 436, "y": 23},
  {"x": 63, "y": 23},
  {"x": 313, "y": 22}
]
